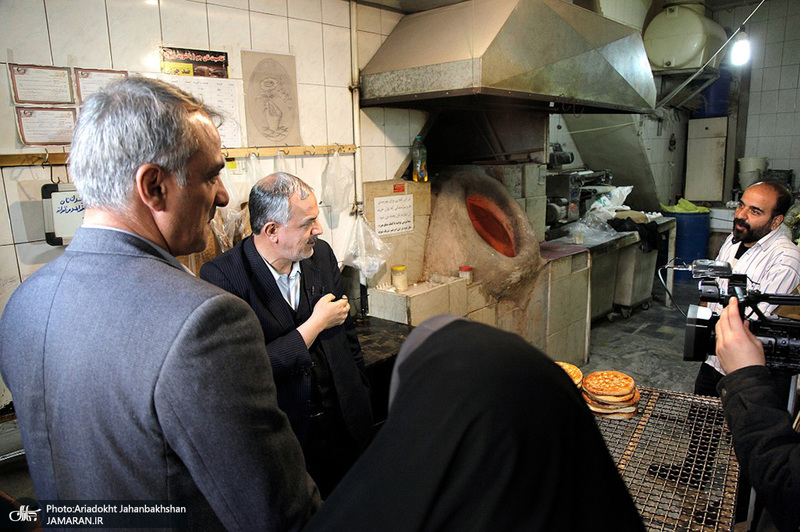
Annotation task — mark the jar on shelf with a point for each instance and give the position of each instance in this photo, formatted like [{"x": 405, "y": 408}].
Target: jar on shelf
[
  {"x": 399, "y": 277},
  {"x": 465, "y": 272}
]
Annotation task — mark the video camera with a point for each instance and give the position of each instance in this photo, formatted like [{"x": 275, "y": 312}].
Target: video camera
[{"x": 780, "y": 336}]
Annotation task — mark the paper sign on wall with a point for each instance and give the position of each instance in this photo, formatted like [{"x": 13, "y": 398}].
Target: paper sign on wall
[
  {"x": 63, "y": 212},
  {"x": 394, "y": 214}
]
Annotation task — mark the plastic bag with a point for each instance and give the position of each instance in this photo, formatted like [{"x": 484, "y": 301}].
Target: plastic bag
[
  {"x": 683, "y": 206},
  {"x": 365, "y": 249},
  {"x": 605, "y": 207},
  {"x": 280, "y": 162},
  {"x": 337, "y": 185}
]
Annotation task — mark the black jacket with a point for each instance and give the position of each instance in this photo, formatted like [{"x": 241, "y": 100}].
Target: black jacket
[
  {"x": 243, "y": 272},
  {"x": 767, "y": 446}
]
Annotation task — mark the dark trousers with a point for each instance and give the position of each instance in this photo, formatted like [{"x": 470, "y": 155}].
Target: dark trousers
[{"x": 329, "y": 449}]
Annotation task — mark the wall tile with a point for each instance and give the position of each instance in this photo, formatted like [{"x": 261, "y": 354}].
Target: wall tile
[
  {"x": 9, "y": 274},
  {"x": 9, "y": 141},
  {"x": 769, "y": 102},
  {"x": 786, "y": 100},
  {"x": 791, "y": 51},
  {"x": 336, "y": 46},
  {"x": 310, "y": 10},
  {"x": 23, "y": 186},
  {"x": 776, "y": 30},
  {"x": 372, "y": 123},
  {"x": 184, "y": 24},
  {"x": 239, "y": 4},
  {"x": 6, "y": 236},
  {"x": 756, "y": 77},
  {"x": 23, "y": 32},
  {"x": 766, "y": 147},
  {"x": 305, "y": 41},
  {"x": 229, "y": 31},
  {"x": 397, "y": 127},
  {"x": 336, "y": 12},
  {"x": 339, "y": 114},
  {"x": 373, "y": 164},
  {"x": 772, "y": 79},
  {"x": 789, "y": 76},
  {"x": 397, "y": 160},
  {"x": 311, "y": 99},
  {"x": 135, "y": 35},
  {"x": 79, "y": 33},
  {"x": 768, "y": 125},
  {"x": 34, "y": 255},
  {"x": 368, "y": 44},
  {"x": 269, "y": 33},
  {"x": 273, "y": 7},
  {"x": 773, "y": 54},
  {"x": 369, "y": 19}
]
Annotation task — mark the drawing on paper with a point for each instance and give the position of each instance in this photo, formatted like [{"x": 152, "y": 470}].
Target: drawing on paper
[{"x": 270, "y": 99}]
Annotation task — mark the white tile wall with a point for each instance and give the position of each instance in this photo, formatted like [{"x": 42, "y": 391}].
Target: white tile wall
[
  {"x": 79, "y": 33},
  {"x": 773, "y": 127},
  {"x": 125, "y": 35}
]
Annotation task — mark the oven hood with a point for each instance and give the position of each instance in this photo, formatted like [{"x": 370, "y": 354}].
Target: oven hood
[{"x": 545, "y": 54}]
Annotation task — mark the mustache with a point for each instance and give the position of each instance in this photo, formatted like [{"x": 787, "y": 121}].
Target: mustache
[{"x": 742, "y": 222}]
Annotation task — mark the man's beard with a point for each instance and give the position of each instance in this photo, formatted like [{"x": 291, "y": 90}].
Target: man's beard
[{"x": 749, "y": 235}]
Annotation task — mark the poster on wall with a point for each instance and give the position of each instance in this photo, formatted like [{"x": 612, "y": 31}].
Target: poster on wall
[
  {"x": 222, "y": 95},
  {"x": 188, "y": 62},
  {"x": 394, "y": 214},
  {"x": 44, "y": 126},
  {"x": 270, "y": 90},
  {"x": 32, "y": 84},
  {"x": 89, "y": 80}
]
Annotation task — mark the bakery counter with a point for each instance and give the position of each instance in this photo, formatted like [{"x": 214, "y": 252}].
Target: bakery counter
[{"x": 380, "y": 342}]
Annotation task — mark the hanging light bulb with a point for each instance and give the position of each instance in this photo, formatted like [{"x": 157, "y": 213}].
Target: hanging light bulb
[{"x": 740, "y": 53}]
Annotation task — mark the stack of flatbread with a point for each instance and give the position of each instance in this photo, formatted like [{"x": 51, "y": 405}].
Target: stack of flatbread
[
  {"x": 611, "y": 394},
  {"x": 573, "y": 371}
]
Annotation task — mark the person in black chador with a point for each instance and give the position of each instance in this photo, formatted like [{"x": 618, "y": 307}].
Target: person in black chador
[{"x": 484, "y": 432}]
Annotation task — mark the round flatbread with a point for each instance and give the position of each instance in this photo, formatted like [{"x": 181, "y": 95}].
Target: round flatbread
[
  {"x": 614, "y": 383},
  {"x": 573, "y": 371}
]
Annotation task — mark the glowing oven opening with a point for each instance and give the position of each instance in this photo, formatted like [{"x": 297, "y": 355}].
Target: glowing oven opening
[{"x": 492, "y": 224}]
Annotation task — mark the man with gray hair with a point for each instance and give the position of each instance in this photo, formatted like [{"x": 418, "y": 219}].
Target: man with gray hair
[
  {"x": 291, "y": 279},
  {"x": 133, "y": 380}
]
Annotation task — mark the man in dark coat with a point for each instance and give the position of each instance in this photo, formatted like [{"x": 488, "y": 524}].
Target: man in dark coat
[
  {"x": 133, "y": 380},
  {"x": 291, "y": 279}
]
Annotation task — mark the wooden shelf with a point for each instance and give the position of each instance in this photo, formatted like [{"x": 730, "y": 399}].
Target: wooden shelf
[{"x": 60, "y": 157}]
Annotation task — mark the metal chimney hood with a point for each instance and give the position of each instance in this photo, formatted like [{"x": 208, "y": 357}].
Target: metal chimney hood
[{"x": 479, "y": 54}]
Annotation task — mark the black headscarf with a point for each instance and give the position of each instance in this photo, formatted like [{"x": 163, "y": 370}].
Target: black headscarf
[{"x": 484, "y": 433}]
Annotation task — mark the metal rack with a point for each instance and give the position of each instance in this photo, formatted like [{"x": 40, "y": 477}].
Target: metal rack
[
  {"x": 57, "y": 158},
  {"x": 677, "y": 459}
]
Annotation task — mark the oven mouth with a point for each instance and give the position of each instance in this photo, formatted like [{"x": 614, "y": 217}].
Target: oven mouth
[{"x": 492, "y": 224}]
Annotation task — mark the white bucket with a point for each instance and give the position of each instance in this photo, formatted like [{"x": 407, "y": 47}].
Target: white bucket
[
  {"x": 748, "y": 164},
  {"x": 748, "y": 178}
]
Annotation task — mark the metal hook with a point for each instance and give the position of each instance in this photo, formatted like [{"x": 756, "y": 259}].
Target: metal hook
[
  {"x": 258, "y": 153},
  {"x": 285, "y": 151},
  {"x": 46, "y": 157},
  {"x": 315, "y": 150},
  {"x": 225, "y": 152}
]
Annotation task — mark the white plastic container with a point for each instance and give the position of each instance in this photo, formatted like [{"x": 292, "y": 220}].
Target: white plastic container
[
  {"x": 681, "y": 36},
  {"x": 749, "y": 164}
]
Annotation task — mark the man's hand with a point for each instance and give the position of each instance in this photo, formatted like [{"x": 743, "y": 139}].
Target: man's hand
[
  {"x": 327, "y": 313},
  {"x": 737, "y": 347},
  {"x": 330, "y": 313}
]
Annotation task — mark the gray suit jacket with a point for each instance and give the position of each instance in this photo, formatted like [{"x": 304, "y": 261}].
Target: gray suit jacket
[{"x": 134, "y": 380}]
